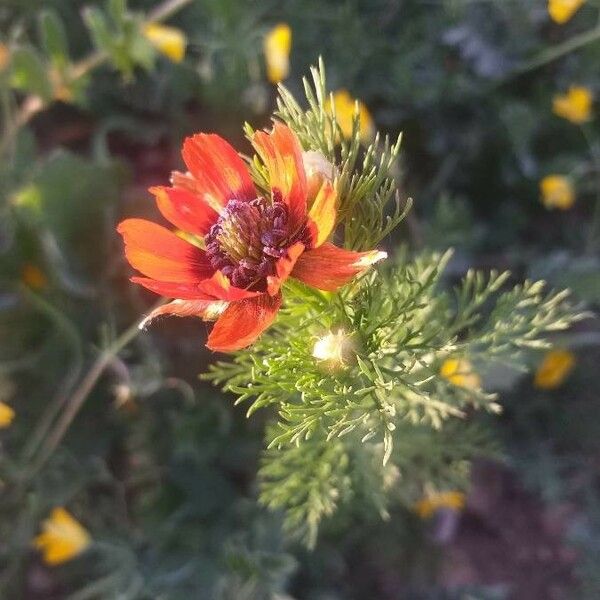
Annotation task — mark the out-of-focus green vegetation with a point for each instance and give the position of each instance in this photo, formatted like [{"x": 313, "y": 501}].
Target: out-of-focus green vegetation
[{"x": 160, "y": 468}]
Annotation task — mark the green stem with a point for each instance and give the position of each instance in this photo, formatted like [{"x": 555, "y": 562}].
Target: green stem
[
  {"x": 166, "y": 9},
  {"x": 593, "y": 239},
  {"x": 555, "y": 52},
  {"x": 53, "y": 408},
  {"x": 32, "y": 105},
  {"x": 81, "y": 393}
]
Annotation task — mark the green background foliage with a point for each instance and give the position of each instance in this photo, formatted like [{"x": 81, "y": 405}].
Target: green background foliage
[{"x": 169, "y": 477}]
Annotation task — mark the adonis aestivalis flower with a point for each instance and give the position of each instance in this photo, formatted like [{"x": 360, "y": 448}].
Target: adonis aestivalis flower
[{"x": 253, "y": 241}]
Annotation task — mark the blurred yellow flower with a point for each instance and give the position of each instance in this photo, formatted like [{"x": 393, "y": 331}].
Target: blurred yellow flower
[
  {"x": 32, "y": 276},
  {"x": 4, "y": 56},
  {"x": 428, "y": 505},
  {"x": 170, "y": 41},
  {"x": 459, "y": 371},
  {"x": 63, "y": 538},
  {"x": 561, "y": 11},
  {"x": 7, "y": 414},
  {"x": 557, "y": 192},
  {"x": 575, "y": 105},
  {"x": 555, "y": 368},
  {"x": 277, "y": 46},
  {"x": 344, "y": 106}
]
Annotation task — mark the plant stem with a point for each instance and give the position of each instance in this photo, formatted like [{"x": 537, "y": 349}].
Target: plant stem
[
  {"x": 33, "y": 104},
  {"x": 60, "y": 398},
  {"x": 593, "y": 239},
  {"x": 28, "y": 109},
  {"x": 79, "y": 396},
  {"x": 555, "y": 52},
  {"x": 166, "y": 9}
]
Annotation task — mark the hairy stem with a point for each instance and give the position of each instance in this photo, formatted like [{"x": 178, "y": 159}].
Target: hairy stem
[{"x": 81, "y": 393}]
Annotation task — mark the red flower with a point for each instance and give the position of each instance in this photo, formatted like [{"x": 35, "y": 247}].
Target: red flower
[{"x": 252, "y": 243}]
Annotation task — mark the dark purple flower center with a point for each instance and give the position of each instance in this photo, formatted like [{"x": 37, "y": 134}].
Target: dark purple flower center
[{"x": 249, "y": 237}]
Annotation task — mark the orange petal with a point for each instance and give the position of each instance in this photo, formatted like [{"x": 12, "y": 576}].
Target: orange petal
[
  {"x": 158, "y": 253},
  {"x": 170, "y": 289},
  {"x": 219, "y": 287},
  {"x": 218, "y": 171},
  {"x": 184, "y": 210},
  {"x": 208, "y": 310},
  {"x": 329, "y": 267},
  {"x": 281, "y": 152},
  {"x": 322, "y": 214},
  {"x": 242, "y": 323},
  {"x": 284, "y": 267}
]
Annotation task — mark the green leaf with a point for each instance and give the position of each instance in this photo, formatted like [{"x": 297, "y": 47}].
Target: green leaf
[
  {"x": 69, "y": 198},
  {"x": 29, "y": 73},
  {"x": 141, "y": 52},
  {"x": 54, "y": 38},
  {"x": 117, "y": 9},
  {"x": 96, "y": 22}
]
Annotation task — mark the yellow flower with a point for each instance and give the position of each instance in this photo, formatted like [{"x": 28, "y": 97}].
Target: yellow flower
[
  {"x": 557, "y": 192},
  {"x": 555, "y": 368},
  {"x": 4, "y": 56},
  {"x": 7, "y": 414},
  {"x": 277, "y": 46},
  {"x": 63, "y": 538},
  {"x": 561, "y": 11},
  {"x": 344, "y": 106},
  {"x": 33, "y": 277},
  {"x": 333, "y": 347},
  {"x": 428, "y": 505},
  {"x": 459, "y": 371},
  {"x": 575, "y": 105},
  {"x": 170, "y": 41}
]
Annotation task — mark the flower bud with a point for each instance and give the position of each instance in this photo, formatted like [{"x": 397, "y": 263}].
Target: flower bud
[
  {"x": 318, "y": 170},
  {"x": 334, "y": 348}
]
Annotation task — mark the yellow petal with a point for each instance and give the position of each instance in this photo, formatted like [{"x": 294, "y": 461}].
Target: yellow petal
[
  {"x": 561, "y": 11},
  {"x": 459, "y": 371},
  {"x": 554, "y": 369},
  {"x": 33, "y": 277},
  {"x": 557, "y": 192},
  {"x": 62, "y": 538},
  {"x": 168, "y": 40},
  {"x": 7, "y": 414},
  {"x": 452, "y": 500},
  {"x": 277, "y": 48},
  {"x": 575, "y": 105},
  {"x": 4, "y": 57},
  {"x": 344, "y": 107}
]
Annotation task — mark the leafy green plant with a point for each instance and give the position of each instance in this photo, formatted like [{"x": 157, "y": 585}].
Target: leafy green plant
[{"x": 391, "y": 333}]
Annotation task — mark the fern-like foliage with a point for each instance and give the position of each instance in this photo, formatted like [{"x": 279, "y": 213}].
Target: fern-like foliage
[
  {"x": 385, "y": 418},
  {"x": 401, "y": 324},
  {"x": 364, "y": 183}
]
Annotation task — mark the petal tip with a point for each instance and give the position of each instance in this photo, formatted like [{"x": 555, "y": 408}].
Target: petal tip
[{"x": 370, "y": 258}]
